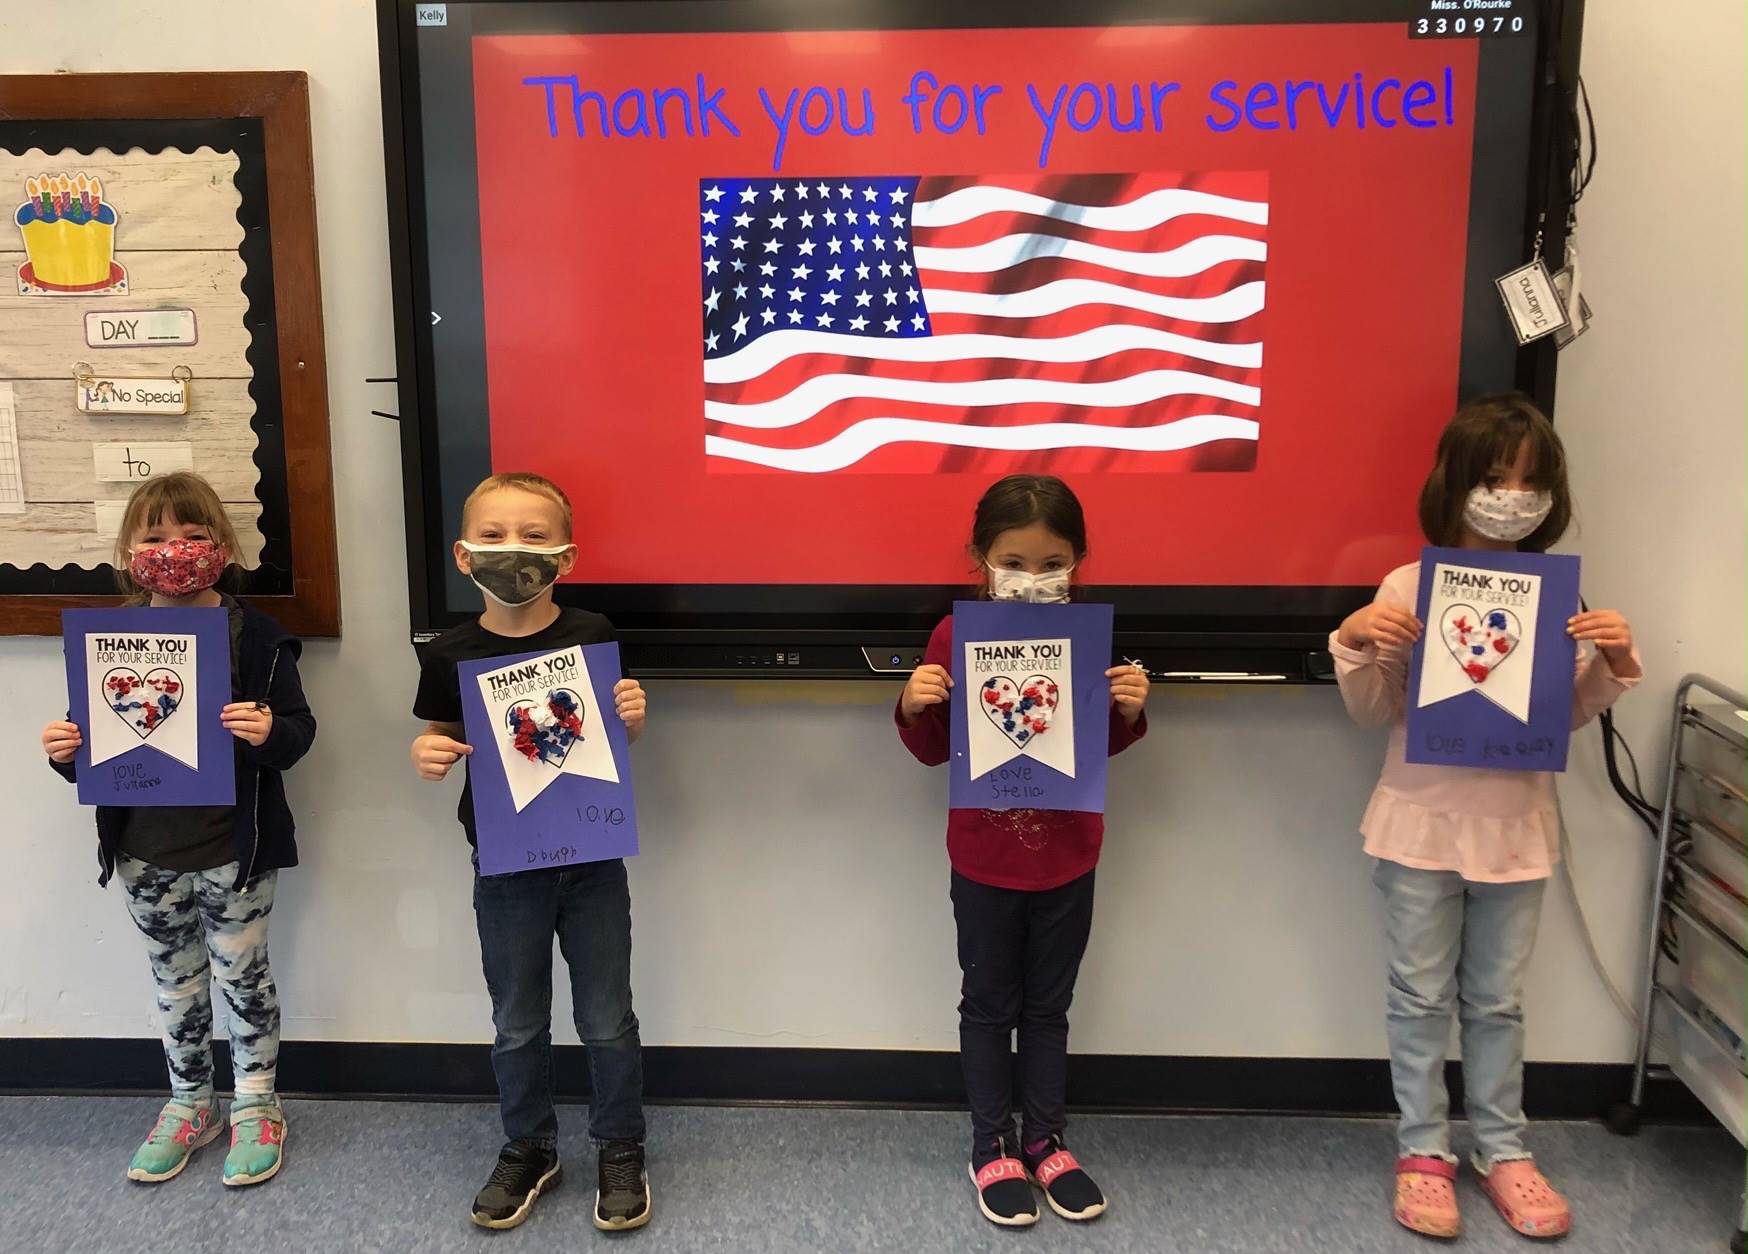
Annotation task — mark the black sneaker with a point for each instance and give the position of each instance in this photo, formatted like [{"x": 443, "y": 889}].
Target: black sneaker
[
  {"x": 1004, "y": 1194},
  {"x": 1069, "y": 1190},
  {"x": 621, "y": 1187},
  {"x": 524, "y": 1170}
]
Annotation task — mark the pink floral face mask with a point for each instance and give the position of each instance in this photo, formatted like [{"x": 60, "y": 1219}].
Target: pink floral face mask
[{"x": 178, "y": 568}]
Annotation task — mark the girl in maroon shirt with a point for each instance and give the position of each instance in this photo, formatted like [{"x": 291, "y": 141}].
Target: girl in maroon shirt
[{"x": 1022, "y": 882}]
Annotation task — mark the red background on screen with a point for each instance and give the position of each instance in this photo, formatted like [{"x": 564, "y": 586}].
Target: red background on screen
[{"x": 591, "y": 280}]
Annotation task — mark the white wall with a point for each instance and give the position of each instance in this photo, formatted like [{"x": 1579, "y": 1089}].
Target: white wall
[{"x": 1235, "y": 913}]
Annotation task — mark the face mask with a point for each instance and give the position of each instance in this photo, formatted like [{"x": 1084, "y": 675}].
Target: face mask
[
  {"x": 178, "y": 568},
  {"x": 512, "y": 574},
  {"x": 1022, "y": 585},
  {"x": 1505, "y": 516}
]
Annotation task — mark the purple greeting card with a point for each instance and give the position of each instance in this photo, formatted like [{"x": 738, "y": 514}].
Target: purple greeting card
[
  {"x": 145, "y": 685},
  {"x": 1490, "y": 681},
  {"x": 550, "y": 769},
  {"x": 1031, "y": 716}
]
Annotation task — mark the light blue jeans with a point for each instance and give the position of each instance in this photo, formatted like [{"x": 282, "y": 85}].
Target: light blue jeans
[{"x": 1454, "y": 945}]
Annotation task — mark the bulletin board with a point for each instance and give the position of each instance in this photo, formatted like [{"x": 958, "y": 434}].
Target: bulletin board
[{"x": 160, "y": 309}]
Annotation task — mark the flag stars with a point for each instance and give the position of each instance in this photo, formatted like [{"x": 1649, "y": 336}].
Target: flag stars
[
  {"x": 897, "y": 221},
  {"x": 829, "y": 298},
  {"x": 857, "y": 323},
  {"x": 879, "y": 243},
  {"x": 856, "y": 242},
  {"x": 835, "y": 273},
  {"x": 844, "y": 190},
  {"x": 794, "y": 316},
  {"x": 711, "y": 300},
  {"x": 801, "y": 191},
  {"x": 886, "y": 269},
  {"x": 777, "y": 192},
  {"x": 891, "y": 324},
  {"x": 767, "y": 317},
  {"x": 766, "y": 290},
  {"x": 767, "y": 269},
  {"x": 825, "y": 320},
  {"x": 898, "y": 195},
  {"x": 806, "y": 221},
  {"x": 710, "y": 216},
  {"x": 917, "y": 322},
  {"x": 862, "y": 299},
  {"x": 801, "y": 271},
  {"x": 778, "y": 221},
  {"x": 713, "y": 194},
  {"x": 748, "y": 195},
  {"x": 904, "y": 269},
  {"x": 891, "y": 296},
  {"x": 914, "y": 295},
  {"x": 851, "y": 216},
  {"x": 796, "y": 294},
  {"x": 805, "y": 248},
  {"x": 743, "y": 219},
  {"x": 710, "y": 239},
  {"x": 772, "y": 246},
  {"x": 862, "y": 269},
  {"x": 898, "y": 243},
  {"x": 711, "y": 265},
  {"x": 868, "y": 193},
  {"x": 740, "y": 291},
  {"x": 740, "y": 326},
  {"x": 834, "y": 245},
  {"x": 737, "y": 265},
  {"x": 710, "y": 342},
  {"x": 738, "y": 242},
  {"x": 831, "y": 217}
]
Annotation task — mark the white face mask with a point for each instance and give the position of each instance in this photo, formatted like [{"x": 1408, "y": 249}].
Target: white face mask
[
  {"x": 1022, "y": 585},
  {"x": 1503, "y": 515}
]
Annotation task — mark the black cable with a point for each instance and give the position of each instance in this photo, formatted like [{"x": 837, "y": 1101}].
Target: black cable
[{"x": 1648, "y": 814}]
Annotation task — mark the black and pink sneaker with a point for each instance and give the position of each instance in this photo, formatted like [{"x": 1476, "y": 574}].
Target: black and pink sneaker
[
  {"x": 1004, "y": 1193},
  {"x": 1069, "y": 1190}
]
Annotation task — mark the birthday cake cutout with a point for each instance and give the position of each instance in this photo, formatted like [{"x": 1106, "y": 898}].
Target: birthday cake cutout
[{"x": 69, "y": 238}]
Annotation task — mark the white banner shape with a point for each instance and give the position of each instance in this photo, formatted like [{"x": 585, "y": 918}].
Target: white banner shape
[
  {"x": 1481, "y": 637},
  {"x": 1019, "y": 701},
  {"x": 545, "y": 723},
  {"x": 142, "y": 688}
]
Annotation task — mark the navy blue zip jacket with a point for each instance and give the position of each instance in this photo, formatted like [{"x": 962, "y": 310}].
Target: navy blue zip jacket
[{"x": 263, "y": 833}]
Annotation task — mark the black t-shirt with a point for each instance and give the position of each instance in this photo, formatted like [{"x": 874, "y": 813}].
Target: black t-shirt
[
  {"x": 188, "y": 838},
  {"x": 439, "y": 699}
]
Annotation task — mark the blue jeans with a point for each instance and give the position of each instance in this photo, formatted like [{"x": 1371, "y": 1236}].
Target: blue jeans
[
  {"x": 1454, "y": 945},
  {"x": 589, "y": 908}
]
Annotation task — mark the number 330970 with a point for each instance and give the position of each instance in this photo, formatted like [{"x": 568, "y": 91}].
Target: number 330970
[{"x": 1496, "y": 24}]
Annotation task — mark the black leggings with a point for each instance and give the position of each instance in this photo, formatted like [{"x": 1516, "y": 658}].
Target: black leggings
[{"x": 1020, "y": 953}]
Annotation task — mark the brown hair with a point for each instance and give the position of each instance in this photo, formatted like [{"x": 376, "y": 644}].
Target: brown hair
[
  {"x": 187, "y": 498},
  {"x": 1485, "y": 433},
  {"x": 524, "y": 481},
  {"x": 1020, "y": 501}
]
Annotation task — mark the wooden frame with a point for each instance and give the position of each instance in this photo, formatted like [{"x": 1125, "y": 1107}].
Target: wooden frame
[{"x": 280, "y": 99}]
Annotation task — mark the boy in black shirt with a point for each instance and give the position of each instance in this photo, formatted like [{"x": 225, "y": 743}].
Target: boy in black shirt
[{"x": 516, "y": 542}]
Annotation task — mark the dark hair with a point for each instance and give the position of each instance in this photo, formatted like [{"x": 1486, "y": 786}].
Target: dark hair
[
  {"x": 189, "y": 499},
  {"x": 1485, "y": 433},
  {"x": 1020, "y": 501}
]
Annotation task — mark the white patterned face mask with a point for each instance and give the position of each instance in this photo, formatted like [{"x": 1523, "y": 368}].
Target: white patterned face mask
[
  {"x": 1503, "y": 515},
  {"x": 1051, "y": 587}
]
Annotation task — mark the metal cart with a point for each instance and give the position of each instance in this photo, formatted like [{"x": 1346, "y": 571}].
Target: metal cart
[{"x": 1696, "y": 967}]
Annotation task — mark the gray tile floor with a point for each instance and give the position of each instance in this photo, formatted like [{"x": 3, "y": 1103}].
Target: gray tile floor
[{"x": 393, "y": 1176}]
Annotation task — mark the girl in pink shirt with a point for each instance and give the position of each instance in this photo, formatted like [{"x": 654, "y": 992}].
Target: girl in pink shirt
[{"x": 1463, "y": 853}]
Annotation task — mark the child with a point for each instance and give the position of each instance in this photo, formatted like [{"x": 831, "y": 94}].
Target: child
[
  {"x": 1022, "y": 881},
  {"x": 1463, "y": 853},
  {"x": 516, "y": 542},
  {"x": 200, "y": 879}
]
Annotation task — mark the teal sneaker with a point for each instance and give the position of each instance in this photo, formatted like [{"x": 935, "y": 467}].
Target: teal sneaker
[
  {"x": 181, "y": 1129},
  {"x": 257, "y": 1143}
]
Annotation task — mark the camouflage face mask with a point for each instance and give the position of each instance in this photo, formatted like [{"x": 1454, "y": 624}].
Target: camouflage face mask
[{"x": 513, "y": 574}]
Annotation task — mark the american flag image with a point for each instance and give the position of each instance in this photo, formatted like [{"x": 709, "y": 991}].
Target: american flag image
[{"x": 1068, "y": 323}]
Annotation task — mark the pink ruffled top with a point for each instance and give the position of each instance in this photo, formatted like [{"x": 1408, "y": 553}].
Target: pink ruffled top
[{"x": 1490, "y": 826}]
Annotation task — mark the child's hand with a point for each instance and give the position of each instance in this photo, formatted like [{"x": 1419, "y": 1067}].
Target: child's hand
[
  {"x": 61, "y": 741},
  {"x": 926, "y": 686},
  {"x": 247, "y": 721},
  {"x": 434, "y": 754},
  {"x": 1609, "y": 632},
  {"x": 1129, "y": 686},
  {"x": 629, "y": 700},
  {"x": 1378, "y": 623}
]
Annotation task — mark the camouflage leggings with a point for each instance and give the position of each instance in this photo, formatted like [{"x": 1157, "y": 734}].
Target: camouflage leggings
[{"x": 195, "y": 925}]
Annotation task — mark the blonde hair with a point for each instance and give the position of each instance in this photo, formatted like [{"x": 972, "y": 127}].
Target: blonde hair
[
  {"x": 522, "y": 481},
  {"x": 187, "y": 498}
]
